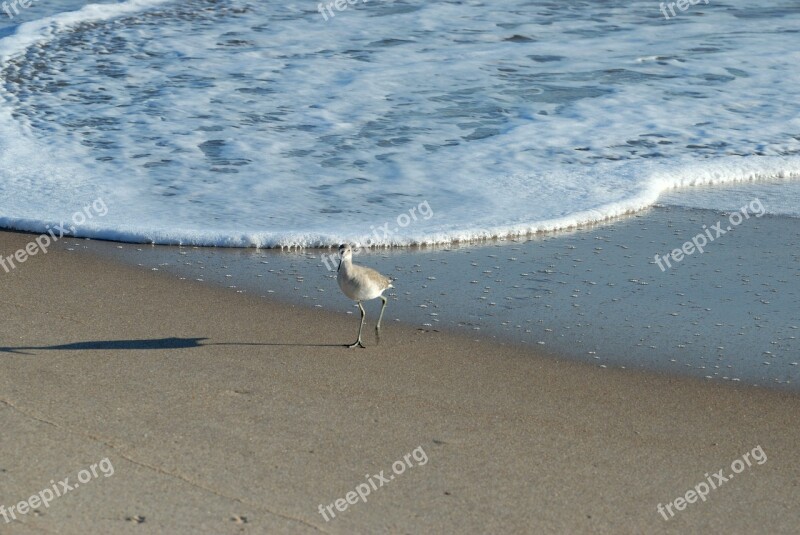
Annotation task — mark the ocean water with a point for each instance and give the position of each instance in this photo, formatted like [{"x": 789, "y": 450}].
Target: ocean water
[{"x": 243, "y": 123}]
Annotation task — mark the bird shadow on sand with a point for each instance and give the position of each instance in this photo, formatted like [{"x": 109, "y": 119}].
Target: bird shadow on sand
[{"x": 146, "y": 344}]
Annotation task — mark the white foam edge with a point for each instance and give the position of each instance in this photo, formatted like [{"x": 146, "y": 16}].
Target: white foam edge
[{"x": 726, "y": 171}]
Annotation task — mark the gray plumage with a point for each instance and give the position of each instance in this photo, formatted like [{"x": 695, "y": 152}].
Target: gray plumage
[{"x": 361, "y": 283}]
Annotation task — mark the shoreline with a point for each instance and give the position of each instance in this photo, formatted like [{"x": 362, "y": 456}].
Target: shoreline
[
  {"x": 711, "y": 196},
  {"x": 593, "y": 295}
]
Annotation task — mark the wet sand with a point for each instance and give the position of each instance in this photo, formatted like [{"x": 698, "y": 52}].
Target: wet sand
[
  {"x": 595, "y": 295},
  {"x": 224, "y": 412}
]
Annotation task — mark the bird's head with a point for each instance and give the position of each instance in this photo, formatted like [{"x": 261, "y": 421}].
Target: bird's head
[{"x": 345, "y": 252}]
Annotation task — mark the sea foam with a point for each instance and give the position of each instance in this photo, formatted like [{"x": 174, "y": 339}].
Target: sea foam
[{"x": 259, "y": 124}]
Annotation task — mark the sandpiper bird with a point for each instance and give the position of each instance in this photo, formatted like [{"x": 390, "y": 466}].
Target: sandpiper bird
[{"x": 361, "y": 283}]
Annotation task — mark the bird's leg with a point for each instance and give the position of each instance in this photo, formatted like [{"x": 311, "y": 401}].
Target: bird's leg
[
  {"x": 359, "y": 343},
  {"x": 378, "y": 326}
]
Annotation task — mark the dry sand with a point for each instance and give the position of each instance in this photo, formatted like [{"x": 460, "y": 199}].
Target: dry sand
[{"x": 223, "y": 413}]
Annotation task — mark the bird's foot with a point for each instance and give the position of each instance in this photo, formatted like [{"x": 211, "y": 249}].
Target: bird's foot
[
  {"x": 357, "y": 344},
  {"x": 378, "y": 335}
]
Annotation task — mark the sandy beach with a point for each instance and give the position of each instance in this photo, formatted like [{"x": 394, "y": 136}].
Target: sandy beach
[
  {"x": 226, "y": 413},
  {"x": 589, "y": 215}
]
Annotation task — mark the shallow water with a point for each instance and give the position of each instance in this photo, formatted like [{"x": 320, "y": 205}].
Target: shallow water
[{"x": 596, "y": 294}]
